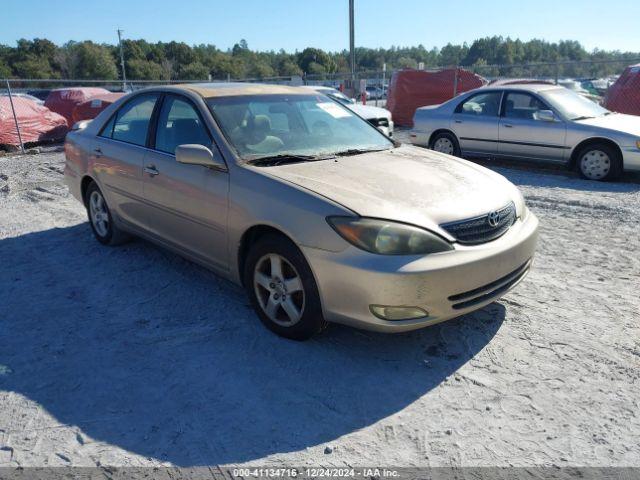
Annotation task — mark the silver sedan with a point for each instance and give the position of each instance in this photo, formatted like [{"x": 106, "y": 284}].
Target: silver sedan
[
  {"x": 537, "y": 122},
  {"x": 319, "y": 216}
]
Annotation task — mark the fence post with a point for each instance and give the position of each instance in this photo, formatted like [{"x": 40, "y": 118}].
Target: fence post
[
  {"x": 455, "y": 81},
  {"x": 15, "y": 117},
  {"x": 557, "y": 71}
]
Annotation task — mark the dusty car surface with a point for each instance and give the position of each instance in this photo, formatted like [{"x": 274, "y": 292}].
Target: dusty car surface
[
  {"x": 538, "y": 122},
  {"x": 376, "y": 116},
  {"x": 316, "y": 213}
]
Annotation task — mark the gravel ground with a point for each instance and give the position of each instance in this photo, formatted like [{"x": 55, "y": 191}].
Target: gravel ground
[{"x": 134, "y": 356}]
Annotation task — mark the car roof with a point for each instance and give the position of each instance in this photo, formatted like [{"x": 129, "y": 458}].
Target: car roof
[
  {"x": 530, "y": 87},
  {"x": 232, "y": 89}
]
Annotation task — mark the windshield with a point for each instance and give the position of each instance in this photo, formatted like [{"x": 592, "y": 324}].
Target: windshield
[
  {"x": 340, "y": 97},
  {"x": 571, "y": 105},
  {"x": 263, "y": 126}
]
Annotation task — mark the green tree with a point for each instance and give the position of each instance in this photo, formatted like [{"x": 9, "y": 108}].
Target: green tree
[
  {"x": 93, "y": 61},
  {"x": 194, "y": 71},
  {"x": 314, "y": 60},
  {"x": 138, "y": 69}
]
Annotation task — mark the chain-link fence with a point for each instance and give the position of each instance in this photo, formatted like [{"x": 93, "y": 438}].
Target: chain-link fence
[{"x": 28, "y": 114}]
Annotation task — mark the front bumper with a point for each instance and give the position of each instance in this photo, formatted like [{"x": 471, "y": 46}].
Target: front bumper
[{"x": 446, "y": 285}]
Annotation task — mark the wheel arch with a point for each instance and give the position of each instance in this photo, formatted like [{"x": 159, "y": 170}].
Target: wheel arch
[
  {"x": 573, "y": 159},
  {"x": 438, "y": 132},
  {"x": 84, "y": 185},
  {"x": 250, "y": 237}
]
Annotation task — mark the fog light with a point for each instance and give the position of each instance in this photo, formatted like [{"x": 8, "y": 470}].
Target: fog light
[{"x": 397, "y": 313}]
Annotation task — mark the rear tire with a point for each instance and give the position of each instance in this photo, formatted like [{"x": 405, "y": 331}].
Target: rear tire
[
  {"x": 447, "y": 143},
  {"x": 282, "y": 289},
  {"x": 100, "y": 218},
  {"x": 599, "y": 162}
]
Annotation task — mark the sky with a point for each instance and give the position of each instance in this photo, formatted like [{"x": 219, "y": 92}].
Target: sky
[{"x": 293, "y": 25}]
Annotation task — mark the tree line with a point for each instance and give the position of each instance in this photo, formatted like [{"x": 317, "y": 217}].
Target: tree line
[{"x": 42, "y": 59}]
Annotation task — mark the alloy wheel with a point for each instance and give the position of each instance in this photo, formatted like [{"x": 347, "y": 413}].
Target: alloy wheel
[
  {"x": 443, "y": 145},
  {"x": 99, "y": 213},
  {"x": 279, "y": 290},
  {"x": 595, "y": 164}
]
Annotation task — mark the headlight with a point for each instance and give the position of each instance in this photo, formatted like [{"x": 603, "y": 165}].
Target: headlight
[
  {"x": 638, "y": 143},
  {"x": 388, "y": 238}
]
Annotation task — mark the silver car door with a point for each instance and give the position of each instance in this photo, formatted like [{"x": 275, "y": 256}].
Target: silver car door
[
  {"x": 186, "y": 204},
  {"x": 528, "y": 133},
  {"x": 118, "y": 154},
  {"x": 475, "y": 123}
]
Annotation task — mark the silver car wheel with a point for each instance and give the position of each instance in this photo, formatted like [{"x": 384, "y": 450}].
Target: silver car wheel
[
  {"x": 99, "y": 213},
  {"x": 279, "y": 290},
  {"x": 595, "y": 164},
  {"x": 443, "y": 145}
]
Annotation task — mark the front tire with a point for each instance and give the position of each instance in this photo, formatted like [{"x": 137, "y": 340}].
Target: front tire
[
  {"x": 445, "y": 142},
  {"x": 599, "y": 162},
  {"x": 100, "y": 218},
  {"x": 282, "y": 289}
]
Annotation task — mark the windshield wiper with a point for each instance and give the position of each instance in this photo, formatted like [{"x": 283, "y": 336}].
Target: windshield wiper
[
  {"x": 282, "y": 158},
  {"x": 584, "y": 117},
  {"x": 358, "y": 151}
]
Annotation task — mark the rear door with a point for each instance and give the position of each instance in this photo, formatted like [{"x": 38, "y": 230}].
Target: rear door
[
  {"x": 118, "y": 156},
  {"x": 475, "y": 123},
  {"x": 524, "y": 134},
  {"x": 186, "y": 204}
]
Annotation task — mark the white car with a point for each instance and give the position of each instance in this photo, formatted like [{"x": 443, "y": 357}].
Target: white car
[{"x": 376, "y": 116}]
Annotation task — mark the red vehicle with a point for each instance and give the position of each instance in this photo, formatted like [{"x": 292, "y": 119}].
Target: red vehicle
[
  {"x": 89, "y": 109},
  {"x": 64, "y": 100},
  {"x": 411, "y": 89},
  {"x": 624, "y": 95},
  {"x": 37, "y": 123}
]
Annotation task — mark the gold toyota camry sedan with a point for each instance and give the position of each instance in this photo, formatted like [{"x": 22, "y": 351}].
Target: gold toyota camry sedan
[{"x": 319, "y": 215}]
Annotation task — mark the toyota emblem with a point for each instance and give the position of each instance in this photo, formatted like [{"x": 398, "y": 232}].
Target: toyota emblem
[{"x": 493, "y": 219}]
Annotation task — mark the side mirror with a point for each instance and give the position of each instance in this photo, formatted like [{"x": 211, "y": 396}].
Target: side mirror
[
  {"x": 545, "y": 116},
  {"x": 193, "y": 154}
]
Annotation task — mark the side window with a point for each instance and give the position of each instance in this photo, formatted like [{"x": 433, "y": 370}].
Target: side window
[
  {"x": 132, "y": 120},
  {"x": 523, "y": 106},
  {"x": 481, "y": 104},
  {"x": 131, "y": 123},
  {"x": 107, "y": 130},
  {"x": 179, "y": 124}
]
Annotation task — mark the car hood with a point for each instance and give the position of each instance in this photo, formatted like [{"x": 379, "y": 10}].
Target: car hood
[
  {"x": 367, "y": 111},
  {"x": 407, "y": 184},
  {"x": 629, "y": 124}
]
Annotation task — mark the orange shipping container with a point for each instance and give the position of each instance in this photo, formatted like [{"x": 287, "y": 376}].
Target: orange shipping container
[
  {"x": 624, "y": 95},
  {"x": 411, "y": 89}
]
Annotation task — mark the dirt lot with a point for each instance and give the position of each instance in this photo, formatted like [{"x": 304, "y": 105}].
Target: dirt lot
[{"x": 134, "y": 356}]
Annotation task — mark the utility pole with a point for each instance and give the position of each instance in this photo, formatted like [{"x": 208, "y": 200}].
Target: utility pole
[
  {"x": 124, "y": 75},
  {"x": 352, "y": 50}
]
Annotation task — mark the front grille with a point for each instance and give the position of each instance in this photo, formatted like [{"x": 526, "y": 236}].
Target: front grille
[
  {"x": 490, "y": 290},
  {"x": 484, "y": 228},
  {"x": 379, "y": 122}
]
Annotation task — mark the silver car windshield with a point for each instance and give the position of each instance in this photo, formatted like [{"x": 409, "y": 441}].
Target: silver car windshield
[
  {"x": 571, "y": 105},
  {"x": 263, "y": 126}
]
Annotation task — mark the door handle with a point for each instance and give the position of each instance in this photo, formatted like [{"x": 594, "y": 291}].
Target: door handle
[
  {"x": 97, "y": 151},
  {"x": 151, "y": 170},
  {"x": 507, "y": 125},
  {"x": 458, "y": 121}
]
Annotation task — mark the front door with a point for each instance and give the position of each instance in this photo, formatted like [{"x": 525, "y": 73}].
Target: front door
[
  {"x": 186, "y": 204},
  {"x": 475, "y": 123},
  {"x": 524, "y": 133}
]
